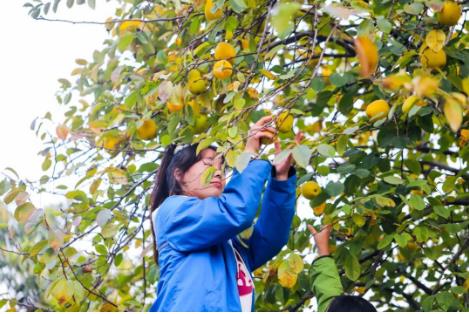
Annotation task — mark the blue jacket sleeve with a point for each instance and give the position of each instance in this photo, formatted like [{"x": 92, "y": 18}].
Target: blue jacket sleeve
[
  {"x": 272, "y": 228},
  {"x": 193, "y": 224}
]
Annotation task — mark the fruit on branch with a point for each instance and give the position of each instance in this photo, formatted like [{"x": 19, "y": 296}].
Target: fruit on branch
[
  {"x": 147, "y": 129},
  {"x": 432, "y": 59},
  {"x": 319, "y": 210},
  {"x": 196, "y": 83},
  {"x": 310, "y": 189},
  {"x": 225, "y": 51},
  {"x": 210, "y": 14},
  {"x": 450, "y": 13},
  {"x": 284, "y": 122},
  {"x": 222, "y": 69},
  {"x": 377, "y": 109}
]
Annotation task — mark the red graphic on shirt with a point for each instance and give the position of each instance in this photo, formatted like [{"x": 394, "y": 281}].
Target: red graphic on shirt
[{"x": 244, "y": 281}]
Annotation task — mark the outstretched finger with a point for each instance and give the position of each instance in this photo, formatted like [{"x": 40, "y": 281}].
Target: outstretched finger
[
  {"x": 312, "y": 230},
  {"x": 264, "y": 120},
  {"x": 327, "y": 227},
  {"x": 299, "y": 137},
  {"x": 277, "y": 146}
]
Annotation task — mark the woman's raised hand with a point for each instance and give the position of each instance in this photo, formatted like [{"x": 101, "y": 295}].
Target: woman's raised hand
[
  {"x": 258, "y": 131},
  {"x": 282, "y": 168}
]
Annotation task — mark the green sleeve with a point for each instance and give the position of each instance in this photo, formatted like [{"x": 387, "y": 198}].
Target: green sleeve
[{"x": 326, "y": 281}]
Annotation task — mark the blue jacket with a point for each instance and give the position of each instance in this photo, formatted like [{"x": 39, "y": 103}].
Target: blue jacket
[{"x": 197, "y": 263}]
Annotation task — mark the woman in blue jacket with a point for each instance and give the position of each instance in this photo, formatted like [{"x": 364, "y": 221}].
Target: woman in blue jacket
[{"x": 204, "y": 264}]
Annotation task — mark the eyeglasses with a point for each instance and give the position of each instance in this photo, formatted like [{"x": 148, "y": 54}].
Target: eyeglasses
[{"x": 211, "y": 163}]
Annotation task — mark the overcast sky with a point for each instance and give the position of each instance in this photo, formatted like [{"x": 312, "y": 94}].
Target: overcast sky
[{"x": 33, "y": 55}]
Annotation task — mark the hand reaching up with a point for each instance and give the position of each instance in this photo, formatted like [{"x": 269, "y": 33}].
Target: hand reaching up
[{"x": 321, "y": 239}]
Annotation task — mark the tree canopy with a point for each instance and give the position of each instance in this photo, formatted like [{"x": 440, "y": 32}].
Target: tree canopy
[{"x": 379, "y": 87}]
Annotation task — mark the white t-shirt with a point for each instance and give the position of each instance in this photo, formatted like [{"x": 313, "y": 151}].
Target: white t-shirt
[{"x": 245, "y": 283}]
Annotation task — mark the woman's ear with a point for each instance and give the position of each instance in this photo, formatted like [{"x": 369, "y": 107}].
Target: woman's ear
[{"x": 178, "y": 174}]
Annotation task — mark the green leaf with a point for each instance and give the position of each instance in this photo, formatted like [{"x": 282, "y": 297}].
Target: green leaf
[
  {"x": 413, "y": 166},
  {"x": 125, "y": 41},
  {"x": 38, "y": 247},
  {"x": 352, "y": 267},
  {"x": 103, "y": 217},
  {"x": 282, "y": 18},
  {"x": 416, "y": 202},
  {"x": 242, "y": 161},
  {"x": 238, "y": 5},
  {"x": 443, "y": 211},
  {"x": 393, "y": 180},
  {"x": 384, "y": 25},
  {"x": 402, "y": 239},
  {"x": 384, "y": 201},
  {"x": 302, "y": 155},
  {"x": 414, "y": 9},
  {"x": 385, "y": 241},
  {"x": 23, "y": 212},
  {"x": 207, "y": 175},
  {"x": 359, "y": 220},
  {"x": 326, "y": 150},
  {"x": 335, "y": 188}
]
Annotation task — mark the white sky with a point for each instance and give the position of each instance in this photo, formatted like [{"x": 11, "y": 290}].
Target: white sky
[{"x": 33, "y": 55}]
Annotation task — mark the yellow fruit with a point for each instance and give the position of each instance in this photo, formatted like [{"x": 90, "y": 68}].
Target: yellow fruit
[
  {"x": 332, "y": 248},
  {"x": 178, "y": 41},
  {"x": 432, "y": 59},
  {"x": 195, "y": 106},
  {"x": 310, "y": 189},
  {"x": 174, "y": 106},
  {"x": 209, "y": 14},
  {"x": 318, "y": 210},
  {"x": 360, "y": 290},
  {"x": 222, "y": 69},
  {"x": 130, "y": 26},
  {"x": 197, "y": 85},
  {"x": 224, "y": 51},
  {"x": 465, "y": 135},
  {"x": 425, "y": 86},
  {"x": 367, "y": 54},
  {"x": 378, "y": 109},
  {"x": 147, "y": 130},
  {"x": 201, "y": 124},
  {"x": 284, "y": 122},
  {"x": 409, "y": 102},
  {"x": 267, "y": 141},
  {"x": 193, "y": 74},
  {"x": 450, "y": 13},
  {"x": 314, "y": 127}
]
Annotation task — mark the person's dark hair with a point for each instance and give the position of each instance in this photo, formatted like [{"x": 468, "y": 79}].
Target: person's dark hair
[
  {"x": 165, "y": 182},
  {"x": 350, "y": 303}
]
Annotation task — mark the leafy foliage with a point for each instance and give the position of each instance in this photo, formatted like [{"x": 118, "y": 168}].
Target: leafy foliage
[{"x": 393, "y": 175}]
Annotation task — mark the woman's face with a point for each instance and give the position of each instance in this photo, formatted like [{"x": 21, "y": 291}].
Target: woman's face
[{"x": 191, "y": 180}]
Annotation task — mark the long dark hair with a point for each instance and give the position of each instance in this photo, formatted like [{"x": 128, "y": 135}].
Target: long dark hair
[{"x": 165, "y": 182}]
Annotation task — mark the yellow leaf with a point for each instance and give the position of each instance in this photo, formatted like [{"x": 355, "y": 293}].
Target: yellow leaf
[
  {"x": 286, "y": 276},
  {"x": 116, "y": 175},
  {"x": 435, "y": 40},
  {"x": 395, "y": 81},
  {"x": 295, "y": 262},
  {"x": 425, "y": 86},
  {"x": 453, "y": 112},
  {"x": 268, "y": 74},
  {"x": 367, "y": 54},
  {"x": 62, "y": 132},
  {"x": 465, "y": 85}
]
